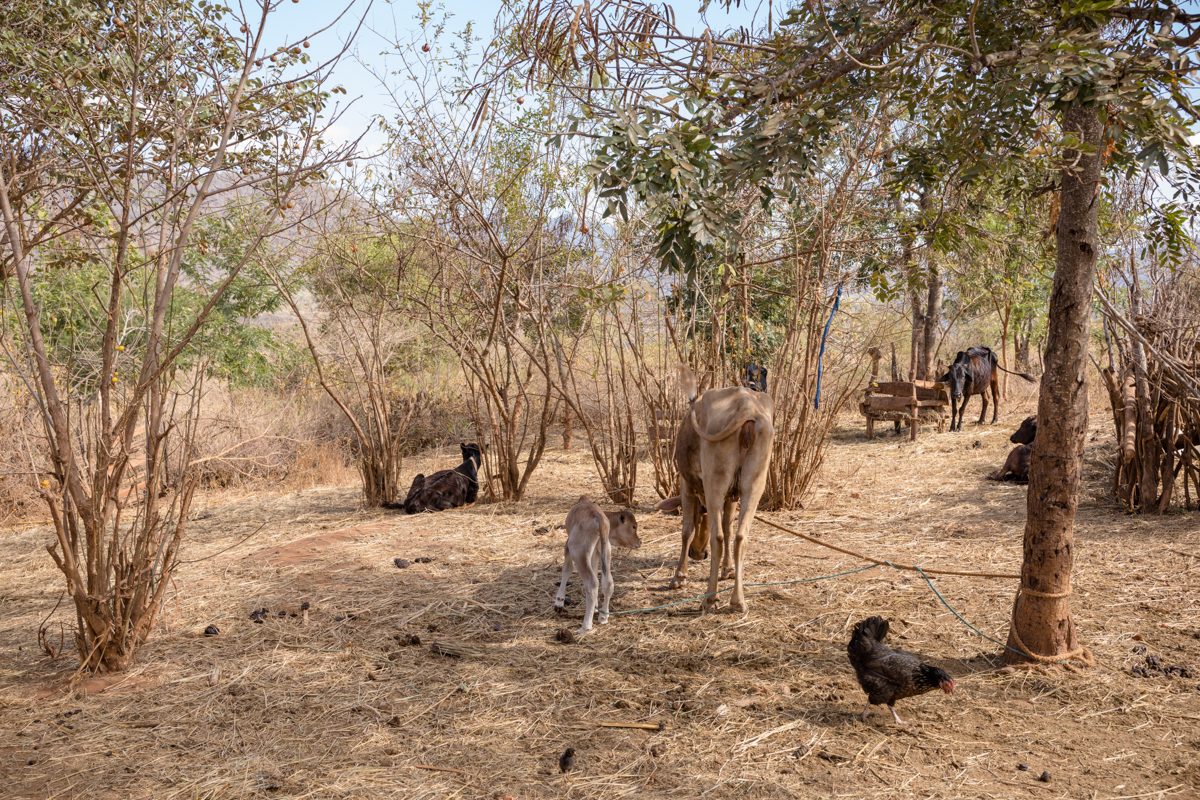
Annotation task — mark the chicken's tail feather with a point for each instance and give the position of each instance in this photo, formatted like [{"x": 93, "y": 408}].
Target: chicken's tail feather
[{"x": 866, "y": 633}]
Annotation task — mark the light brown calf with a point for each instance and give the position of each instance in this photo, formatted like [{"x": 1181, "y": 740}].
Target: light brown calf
[{"x": 590, "y": 534}]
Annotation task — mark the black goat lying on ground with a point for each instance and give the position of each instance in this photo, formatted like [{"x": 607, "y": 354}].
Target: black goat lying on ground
[{"x": 447, "y": 488}]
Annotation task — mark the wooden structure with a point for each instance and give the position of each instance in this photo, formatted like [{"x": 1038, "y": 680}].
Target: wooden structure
[
  {"x": 1153, "y": 381},
  {"x": 903, "y": 401}
]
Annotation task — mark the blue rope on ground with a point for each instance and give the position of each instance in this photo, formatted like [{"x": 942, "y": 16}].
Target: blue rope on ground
[
  {"x": 920, "y": 572},
  {"x": 836, "y": 301},
  {"x": 969, "y": 625}
]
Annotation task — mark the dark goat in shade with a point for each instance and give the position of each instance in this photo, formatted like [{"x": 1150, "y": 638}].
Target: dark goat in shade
[
  {"x": 1016, "y": 468},
  {"x": 447, "y": 488},
  {"x": 754, "y": 377}
]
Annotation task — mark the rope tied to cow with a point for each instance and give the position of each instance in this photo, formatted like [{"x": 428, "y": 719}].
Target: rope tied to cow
[
  {"x": 884, "y": 562},
  {"x": 727, "y": 588},
  {"x": 1080, "y": 653}
]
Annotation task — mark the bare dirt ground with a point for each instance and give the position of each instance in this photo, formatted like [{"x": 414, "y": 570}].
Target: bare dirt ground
[{"x": 339, "y": 703}]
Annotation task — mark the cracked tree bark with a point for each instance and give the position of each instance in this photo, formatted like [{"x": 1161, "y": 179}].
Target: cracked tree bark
[{"x": 1042, "y": 609}]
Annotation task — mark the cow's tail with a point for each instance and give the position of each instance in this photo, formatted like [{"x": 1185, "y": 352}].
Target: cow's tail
[
  {"x": 1026, "y": 376},
  {"x": 728, "y": 430}
]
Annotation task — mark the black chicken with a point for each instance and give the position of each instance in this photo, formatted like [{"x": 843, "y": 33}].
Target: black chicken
[{"x": 888, "y": 675}]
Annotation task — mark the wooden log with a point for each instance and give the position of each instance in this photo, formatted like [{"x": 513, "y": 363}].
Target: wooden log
[
  {"x": 875, "y": 355},
  {"x": 915, "y": 406},
  {"x": 929, "y": 391},
  {"x": 1129, "y": 421},
  {"x": 887, "y": 403}
]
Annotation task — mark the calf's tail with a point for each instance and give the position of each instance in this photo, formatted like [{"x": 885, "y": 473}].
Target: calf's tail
[{"x": 605, "y": 545}]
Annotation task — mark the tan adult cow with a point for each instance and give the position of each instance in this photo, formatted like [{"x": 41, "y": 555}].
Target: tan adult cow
[{"x": 722, "y": 453}]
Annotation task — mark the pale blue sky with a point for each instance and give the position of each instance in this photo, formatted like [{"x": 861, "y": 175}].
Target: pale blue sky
[{"x": 389, "y": 21}]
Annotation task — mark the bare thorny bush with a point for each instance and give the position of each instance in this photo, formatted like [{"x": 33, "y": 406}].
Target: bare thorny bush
[
  {"x": 357, "y": 341},
  {"x": 109, "y": 355},
  {"x": 796, "y": 267},
  {"x": 486, "y": 262}
]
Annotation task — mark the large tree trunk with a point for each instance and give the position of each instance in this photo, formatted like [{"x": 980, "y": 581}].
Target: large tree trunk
[
  {"x": 1042, "y": 609},
  {"x": 1005, "y": 317},
  {"x": 1022, "y": 333},
  {"x": 916, "y": 367},
  {"x": 933, "y": 319}
]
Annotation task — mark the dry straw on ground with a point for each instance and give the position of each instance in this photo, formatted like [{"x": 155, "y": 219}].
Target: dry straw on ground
[{"x": 337, "y": 700}]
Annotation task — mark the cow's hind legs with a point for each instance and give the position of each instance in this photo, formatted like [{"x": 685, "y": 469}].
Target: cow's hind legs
[
  {"x": 714, "y": 499},
  {"x": 688, "y": 505},
  {"x": 727, "y": 570}
]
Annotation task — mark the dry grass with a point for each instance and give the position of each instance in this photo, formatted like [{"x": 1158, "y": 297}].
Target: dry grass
[{"x": 336, "y": 703}]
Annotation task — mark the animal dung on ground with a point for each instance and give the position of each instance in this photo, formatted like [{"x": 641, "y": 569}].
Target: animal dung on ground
[
  {"x": 423, "y": 560},
  {"x": 400, "y": 563},
  {"x": 305, "y": 606},
  {"x": 1154, "y": 667},
  {"x": 1044, "y": 777},
  {"x": 212, "y": 630},
  {"x": 565, "y": 636},
  {"x": 658, "y": 750},
  {"x": 1023, "y": 767}
]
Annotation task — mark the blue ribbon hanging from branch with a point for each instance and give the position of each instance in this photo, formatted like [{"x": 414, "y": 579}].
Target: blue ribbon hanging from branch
[{"x": 836, "y": 301}]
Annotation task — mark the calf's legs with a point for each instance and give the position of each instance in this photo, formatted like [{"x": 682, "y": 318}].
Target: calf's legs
[{"x": 587, "y": 557}]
